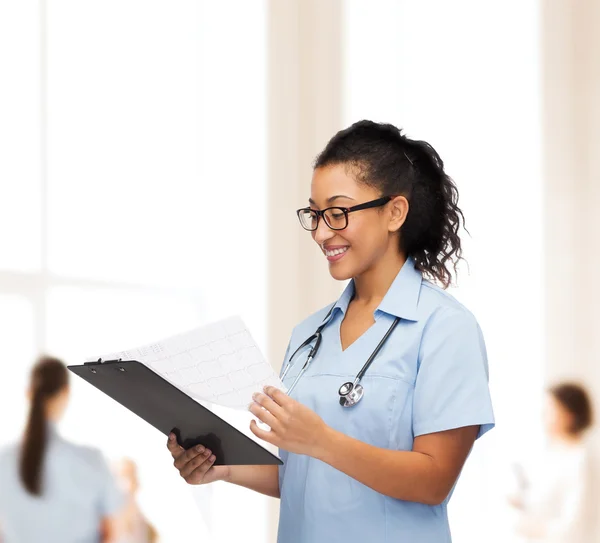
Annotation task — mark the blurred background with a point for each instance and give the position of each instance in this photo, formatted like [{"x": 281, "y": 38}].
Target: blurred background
[{"x": 153, "y": 154}]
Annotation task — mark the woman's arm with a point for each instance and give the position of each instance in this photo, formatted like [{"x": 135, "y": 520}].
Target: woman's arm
[
  {"x": 426, "y": 474},
  {"x": 263, "y": 479},
  {"x": 195, "y": 465}
]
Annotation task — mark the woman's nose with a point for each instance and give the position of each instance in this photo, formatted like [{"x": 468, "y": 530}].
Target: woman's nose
[{"x": 323, "y": 232}]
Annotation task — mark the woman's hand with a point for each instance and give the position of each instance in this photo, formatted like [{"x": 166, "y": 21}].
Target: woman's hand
[
  {"x": 294, "y": 427},
  {"x": 196, "y": 464}
]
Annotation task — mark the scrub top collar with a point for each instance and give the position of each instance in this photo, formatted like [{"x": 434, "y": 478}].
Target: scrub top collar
[{"x": 401, "y": 299}]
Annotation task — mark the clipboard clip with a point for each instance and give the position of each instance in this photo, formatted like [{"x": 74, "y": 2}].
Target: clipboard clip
[{"x": 100, "y": 361}]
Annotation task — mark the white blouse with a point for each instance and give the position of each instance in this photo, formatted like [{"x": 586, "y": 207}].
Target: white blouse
[{"x": 557, "y": 501}]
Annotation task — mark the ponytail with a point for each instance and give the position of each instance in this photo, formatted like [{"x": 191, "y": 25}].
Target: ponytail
[
  {"x": 48, "y": 378},
  {"x": 430, "y": 233}
]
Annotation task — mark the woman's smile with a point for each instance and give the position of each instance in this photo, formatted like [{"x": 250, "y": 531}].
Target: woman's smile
[{"x": 335, "y": 252}]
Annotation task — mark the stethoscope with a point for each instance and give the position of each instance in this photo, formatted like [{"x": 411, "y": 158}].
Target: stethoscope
[{"x": 351, "y": 392}]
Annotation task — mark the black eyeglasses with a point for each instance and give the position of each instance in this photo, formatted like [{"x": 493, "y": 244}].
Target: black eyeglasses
[{"x": 335, "y": 217}]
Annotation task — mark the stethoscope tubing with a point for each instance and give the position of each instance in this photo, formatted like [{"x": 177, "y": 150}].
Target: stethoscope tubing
[
  {"x": 368, "y": 363},
  {"x": 348, "y": 387}
]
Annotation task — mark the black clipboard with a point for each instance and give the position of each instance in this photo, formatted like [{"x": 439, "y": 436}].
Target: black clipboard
[{"x": 168, "y": 409}]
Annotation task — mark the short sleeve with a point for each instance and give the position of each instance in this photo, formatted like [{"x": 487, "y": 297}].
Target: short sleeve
[
  {"x": 111, "y": 499},
  {"x": 451, "y": 389}
]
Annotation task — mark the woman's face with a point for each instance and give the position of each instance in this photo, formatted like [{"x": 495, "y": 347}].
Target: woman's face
[
  {"x": 558, "y": 419},
  {"x": 352, "y": 251}
]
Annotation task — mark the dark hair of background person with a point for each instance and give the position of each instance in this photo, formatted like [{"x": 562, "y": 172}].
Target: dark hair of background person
[
  {"x": 576, "y": 401},
  {"x": 380, "y": 156},
  {"x": 48, "y": 378}
]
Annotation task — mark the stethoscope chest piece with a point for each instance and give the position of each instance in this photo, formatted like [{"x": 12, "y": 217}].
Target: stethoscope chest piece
[{"x": 350, "y": 394}]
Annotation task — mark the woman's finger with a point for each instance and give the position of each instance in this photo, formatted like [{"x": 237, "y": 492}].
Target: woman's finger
[
  {"x": 195, "y": 463},
  {"x": 269, "y": 404},
  {"x": 264, "y": 416},
  {"x": 187, "y": 456},
  {"x": 174, "y": 448},
  {"x": 198, "y": 474},
  {"x": 269, "y": 437},
  {"x": 278, "y": 396}
]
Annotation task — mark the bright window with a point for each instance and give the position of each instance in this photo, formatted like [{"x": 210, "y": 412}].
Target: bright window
[
  {"x": 132, "y": 207},
  {"x": 448, "y": 73},
  {"x": 20, "y": 162}
]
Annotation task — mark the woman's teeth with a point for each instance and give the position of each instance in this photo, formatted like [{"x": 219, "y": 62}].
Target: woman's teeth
[{"x": 336, "y": 251}]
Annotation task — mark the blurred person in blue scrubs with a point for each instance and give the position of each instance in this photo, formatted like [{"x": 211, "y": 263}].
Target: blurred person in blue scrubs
[
  {"x": 381, "y": 467},
  {"x": 555, "y": 501},
  {"x": 52, "y": 490}
]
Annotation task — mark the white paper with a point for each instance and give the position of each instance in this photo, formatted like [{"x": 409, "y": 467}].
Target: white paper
[{"x": 219, "y": 363}]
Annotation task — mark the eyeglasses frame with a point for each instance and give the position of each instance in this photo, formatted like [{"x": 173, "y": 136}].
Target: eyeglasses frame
[{"x": 345, "y": 210}]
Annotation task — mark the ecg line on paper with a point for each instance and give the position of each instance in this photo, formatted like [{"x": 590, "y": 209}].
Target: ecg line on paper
[{"x": 219, "y": 363}]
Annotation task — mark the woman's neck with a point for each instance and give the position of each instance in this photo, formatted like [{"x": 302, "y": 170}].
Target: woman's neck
[
  {"x": 567, "y": 439},
  {"x": 371, "y": 286}
]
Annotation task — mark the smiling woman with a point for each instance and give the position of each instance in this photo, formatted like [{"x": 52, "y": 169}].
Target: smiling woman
[
  {"x": 386, "y": 216},
  {"x": 392, "y": 168}
]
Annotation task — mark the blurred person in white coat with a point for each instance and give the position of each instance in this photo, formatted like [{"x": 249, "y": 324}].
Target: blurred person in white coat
[
  {"x": 555, "y": 502},
  {"x": 52, "y": 490}
]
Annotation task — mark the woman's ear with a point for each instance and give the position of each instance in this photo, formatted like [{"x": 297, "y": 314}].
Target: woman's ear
[{"x": 399, "y": 210}]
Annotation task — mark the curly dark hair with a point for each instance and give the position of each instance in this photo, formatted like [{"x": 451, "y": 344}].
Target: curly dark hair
[{"x": 380, "y": 156}]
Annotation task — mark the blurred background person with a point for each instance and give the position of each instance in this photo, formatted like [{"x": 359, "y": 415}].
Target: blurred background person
[
  {"x": 133, "y": 527},
  {"x": 50, "y": 489},
  {"x": 555, "y": 501}
]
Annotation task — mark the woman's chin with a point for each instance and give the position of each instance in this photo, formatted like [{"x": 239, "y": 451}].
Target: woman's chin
[{"x": 340, "y": 272}]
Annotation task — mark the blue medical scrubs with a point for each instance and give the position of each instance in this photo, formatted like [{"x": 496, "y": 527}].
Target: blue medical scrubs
[
  {"x": 430, "y": 376},
  {"x": 79, "y": 491}
]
